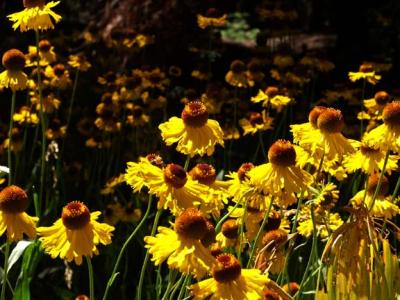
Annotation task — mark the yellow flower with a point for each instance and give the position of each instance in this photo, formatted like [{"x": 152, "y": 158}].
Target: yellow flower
[
  {"x": 79, "y": 62},
  {"x": 211, "y": 19},
  {"x": 171, "y": 185},
  {"x": 50, "y": 103},
  {"x": 273, "y": 256},
  {"x": 387, "y": 135},
  {"x": 59, "y": 76},
  {"x": 13, "y": 219},
  {"x": 271, "y": 96},
  {"x": 46, "y": 51},
  {"x": 369, "y": 160},
  {"x": 280, "y": 177},
  {"x": 75, "y": 234},
  {"x": 36, "y": 16},
  {"x": 25, "y": 116},
  {"x": 195, "y": 133},
  {"x": 13, "y": 77},
  {"x": 375, "y": 105},
  {"x": 367, "y": 72},
  {"x": 256, "y": 122},
  {"x": 31, "y": 58},
  {"x": 182, "y": 246},
  {"x": 231, "y": 282},
  {"x": 237, "y": 76}
]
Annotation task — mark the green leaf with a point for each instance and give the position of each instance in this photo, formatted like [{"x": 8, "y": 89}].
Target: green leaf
[{"x": 17, "y": 252}]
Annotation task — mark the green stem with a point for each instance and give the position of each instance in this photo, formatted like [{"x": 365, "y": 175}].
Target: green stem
[
  {"x": 171, "y": 281},
  {"x": 183, "y": 288},
  {"x": 6, "y": 256},
  {"x": 10, "y": 171},
  {"x": 91, "y": 279},
  {"x": 71, "y": 104},
  {"x": 187, "y": 161},
  {"x": 114, "y": 273},
  {"x": 43, "y": 122},
  {"x": 378, "y": 187},
  {"x": 146, "y": 258}
]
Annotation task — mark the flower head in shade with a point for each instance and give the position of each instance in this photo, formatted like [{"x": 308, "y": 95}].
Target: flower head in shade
[
  {"x": 13, "y": 218},
  {"x": 194, "y": 132},
  {"x": 13, "y": 77},
  {"x": 182, "y": 246},
  {"x": 366, "y": 72},
  {"x": 76, "y": 234},
  {"x": 230, "y": 281},
  {"x": 212, "y": 18},
  {"x": 238, "y": 75},
  {"x": 79, "y": 61},
  {"x": 387, "y": 135},
  {"x": 281, "y": 177},
  {"x": 256, "y": 122},
  {"x": 273, "y": 97},
  {"x": 37, "y": 15},
  {"x": 171, "y": 184}
]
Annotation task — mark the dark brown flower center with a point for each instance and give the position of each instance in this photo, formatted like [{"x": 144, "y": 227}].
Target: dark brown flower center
[
  {"x": 227, "y": 269},
  {"x": 282, "y": 153},
  {"x": 209, "y": 237},
  {"x": 270, "y": 295},
  {"x": 230, "y": 229},
  {"x": 314, "y": 114},
  {"x": 75, "y": 215},
  {"x": 13, "y": 60},
  {"x": 272, "y": 91},
  {"x": 274, "y": 221},
  {"x": 382, "y": 98},
  {"x": 155, "y": 160},
  {"x": 204, "y": 173},
  {"x": 391, "y": 114},
  {"x": 256, "y": 118},
  {"x": 191, "y": 224},
  {"x": 243, "y": 169},
  {"x": 330, "y": 121},
  {"x": 366, "y": 68},
  {"x": 195, "y": 114},
  {"x": 216, "y": 250},
  {"x": 274, "y": 238},
  {"x": 175, "y": 175},
  {"x": 367, "y": 150},
  {"x": 44, "y": 46},
  {"x": 291, "y": 288},
  {"x": 373, "y": 183},
  {"x": 212, "y": 12},
  {"x": 237, "y": 66},
  {"x": 59, "y": 70},
  {"x": 13, "y": 200},
  {"x": 33, "y": 3}
]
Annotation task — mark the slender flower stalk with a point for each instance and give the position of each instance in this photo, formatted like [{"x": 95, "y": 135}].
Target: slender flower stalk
[
  {"x": 91, "y": 279},
  {"x": 6, "y": 257},
  {"x": 11, "y": 170}
]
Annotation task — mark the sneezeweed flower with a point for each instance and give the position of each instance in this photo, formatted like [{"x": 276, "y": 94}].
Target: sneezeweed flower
[
  {"x": 17, "y": 141},
  {"x": 79, "y": 62},
  {"x": 37, "y": 16},
  {"x": 255, "y": 67},
  {"x": 25, "y": 117},
  {"x": 58, "y": 75},
  {"x": 181, "y": 246},
  {"x": 50, "y": 102},
  {"x": 13, "y": 77},
  {"x": 194, "y": 132},
  {"x": 256, "y": 122},
  {"x": 384, "y": 205},
  {"x": 31, "y": 58},
  {"x": 370, "y": 160},
  {"x": 238, "y": 76},
  {"x": 273, "y": 257},
  {"x": 46, "y": 51},
  {"x": 76, "y": 234},
  {"x": 229, "y": 237},
  {"x": 56, "y": 129},
  {"x": 387, "y": 135},
  {"x": 230, "y": 281},
  {"x": 272, "y": 97},
  {"x": 376, "y": 105},
  {"x": 212, "y": 18},
  {"x": 281, "y": 177},
  {"x": 13, "y": 218},
  {"x": 175, "y": 190},
  {"x": 365, "y": 72}
]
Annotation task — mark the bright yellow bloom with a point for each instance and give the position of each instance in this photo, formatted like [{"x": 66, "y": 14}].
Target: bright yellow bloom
[
  {"x": 256, "y": 122},
  {"x": 211, "y": 19},
  {"x": 231, "y": 282},
  {"x": 175, "y": 190},
  {"x": 75, "y": 234},
  {"x": 271, "y": 96},
  {"x": 13, "y": 77},
  {"x": 25, "y": 116},
  {"x": 182, "y": 247},
  {"x": 366, "y": 72},
  {"x": 194, "y": 132},
  {"x": 34, "y": 16},
  {"x": 13, "y": 219},
  {"x": 58, "y": 75}
]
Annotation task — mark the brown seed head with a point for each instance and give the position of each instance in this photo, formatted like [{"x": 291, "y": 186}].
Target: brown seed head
[
  {"x": 191, "y": 224},
  {"x": 272, "y": 91},
  {"x": 243, "y": 169},
  {"x": 44, "y": 46},
  {"x": 59, "y": 70},
  {"x": 216, "y": 250},
  {"x": 255, "y": 118},
  {"x": 155, "y": 160},
  {"x": 13, "y": 200},
  {"x": 270, "y": 295},
  {"x": 274, "y": 221},
  {"x": 227, "y": 269},
  {"x": 75, "y": 215},
  {"x": 175, "y": 175},
  {"x": 366, "y": 68},
  {"x": 230, "y": 229},
  {"x": 195, "y": 114},
  {"x": 373, "y": 183},
  {"x": 13, "y": 60},
  {"x": 209, "y": 237},
  {"x": 330, "y": 121},
  {"x": 367, "y": 150},
  {"x": 237, "y": 66},
  {"x": 204, "y": 173},
  {"x": 291, "y": 288},
  {"x": 382, "y": 98},
  {"x": 282, "y": 153},
  {"x": 314, "y": 114},
  {"x": 33, "y": 3},
  {"x": 274, "y": 238},
  {"x": 391, "y": 114}
]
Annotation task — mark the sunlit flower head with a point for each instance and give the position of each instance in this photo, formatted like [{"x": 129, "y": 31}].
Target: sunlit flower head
[
  {"x": 366, "y": 72},
  {"x": 280, "y": 177},
  {"x": 37, "y": 15},
  {"x": 171, "y": 184},
  {"x": 212, "y": 18},
  {"x": 273, "y": 255},
  {"x": 273, "y": 97},
  {"x": 194, "y": 132},
  {"x": 256, "y": 122},
  {"x": 13, "y": 218},
  {"x": 230, "y": 281},
  {"x": 76, "y": 234},
  {"x": 182, "y": 247},
  {"x": 13, "y": 77},
  {"x": 25, "y": 117}
]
